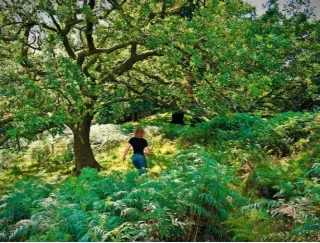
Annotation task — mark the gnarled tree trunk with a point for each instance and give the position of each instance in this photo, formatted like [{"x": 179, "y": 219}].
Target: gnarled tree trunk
[{"x": 82, "y": 149}]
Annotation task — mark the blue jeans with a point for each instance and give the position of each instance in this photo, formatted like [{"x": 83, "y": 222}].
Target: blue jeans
[{"x": 139, "y": 161}]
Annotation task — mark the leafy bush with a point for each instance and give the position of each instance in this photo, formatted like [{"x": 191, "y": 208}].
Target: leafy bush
[{"x": 39, "y": 151}]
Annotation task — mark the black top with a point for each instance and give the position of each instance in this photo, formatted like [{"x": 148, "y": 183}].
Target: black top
[{"x": 138, "y": 144}]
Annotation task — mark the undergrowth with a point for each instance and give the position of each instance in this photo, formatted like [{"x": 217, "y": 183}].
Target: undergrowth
[
  {"x": 194, "y": 195},
  {"x": 234, "y": 178}
]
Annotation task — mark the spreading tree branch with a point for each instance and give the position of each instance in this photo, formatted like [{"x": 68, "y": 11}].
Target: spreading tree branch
[
  {"x": 89, "y": 28},
  {"x": 88, "y": 52},
  {"x": 152, "y": 76},
  {"x": 128, "y": 64}
]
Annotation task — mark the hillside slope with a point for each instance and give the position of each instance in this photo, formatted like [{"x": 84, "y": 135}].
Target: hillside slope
[{"x": 240, "y": 178}]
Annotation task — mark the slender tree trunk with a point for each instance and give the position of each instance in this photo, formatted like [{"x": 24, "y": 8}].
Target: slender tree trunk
[
  {"x": 4, "y": 139},
  {"x": 135, "y": 116},
  {"x": 82, "y": 149},
  {"x": 177, "y": 118},
  {"x": 19, "y": 145}
]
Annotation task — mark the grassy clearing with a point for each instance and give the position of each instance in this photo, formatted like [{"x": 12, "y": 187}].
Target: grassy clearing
[{"x": 50, "y": 160}]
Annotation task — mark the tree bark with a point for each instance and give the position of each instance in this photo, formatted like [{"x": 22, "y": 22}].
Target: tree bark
[
  {"x": 4, "y": 139},
  {"x": 82, "y": 149},
  {"x": 135, "y": 116},
  {"x": 177, "y": 118}
]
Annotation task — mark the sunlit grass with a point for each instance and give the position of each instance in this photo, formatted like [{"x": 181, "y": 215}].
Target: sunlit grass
[
  {"x": 158, "y": 119},
  {"x": 161, "y": 149},
  {"x": 54, "y": 169},
  {"x": 110, "y": 159}
]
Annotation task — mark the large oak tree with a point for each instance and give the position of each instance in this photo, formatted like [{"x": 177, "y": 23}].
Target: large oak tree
[{"x": 63, "y": 61}]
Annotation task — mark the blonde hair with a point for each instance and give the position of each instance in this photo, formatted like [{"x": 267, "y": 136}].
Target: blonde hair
[{"x": 139, "y": 132}]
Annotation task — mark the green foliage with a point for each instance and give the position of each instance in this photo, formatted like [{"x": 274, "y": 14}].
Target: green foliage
[
  {"x": 250, "y": 173},
  {"x": 245, "y": 133},
  {"x": 227, "y": 182},
  {"x": 249, "y": 225},
  {"x": 39, "y": 152},
  {"x": 93, "y": 207},
  {"x": 22, "y": 230},
  {"x": 18, "y": 207},
  {"x": 277, "y": 159}
]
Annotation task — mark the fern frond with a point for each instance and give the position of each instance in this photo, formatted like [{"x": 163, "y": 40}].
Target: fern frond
[
  {"x": 21, "y": 230},
  {"x": 197, "y": 209},
  {"x": 130, "y": 213}
]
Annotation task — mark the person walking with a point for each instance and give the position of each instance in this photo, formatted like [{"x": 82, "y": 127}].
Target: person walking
[{"x": 139, "y": 145}]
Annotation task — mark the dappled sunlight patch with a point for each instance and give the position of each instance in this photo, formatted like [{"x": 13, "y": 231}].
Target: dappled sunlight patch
[
  {"x": 168, "y": 148},
  {"x": 120, "y": 168},
  {"x": 54, "y": 177},
  {"x": 111, "y": 160},
  {"x": 162, "y": 151},
  {"x": 5, "y": 181},
  {"x": 157, "y": 169},
  {"x": 164, "y": 117}
]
